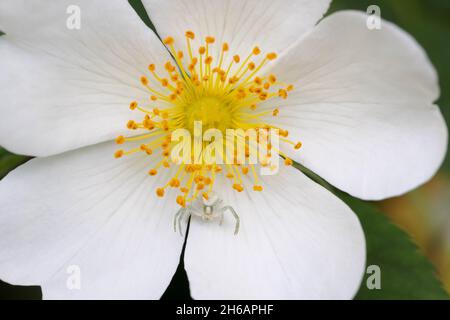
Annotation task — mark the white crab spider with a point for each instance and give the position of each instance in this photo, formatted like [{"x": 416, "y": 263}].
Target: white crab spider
[{"x": 208, "y": 210}]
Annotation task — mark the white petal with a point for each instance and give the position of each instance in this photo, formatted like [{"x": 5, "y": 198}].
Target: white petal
[
  {"x": 296, "y": 241},
  {"x": 363, "y": 107},
  {"x": 62, "y": 89},
  {"x": 271, "y": 24},
  {"x": 86, "y": 209}
]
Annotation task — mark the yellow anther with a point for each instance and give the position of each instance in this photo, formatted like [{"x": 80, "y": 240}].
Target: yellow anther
[
  {"x": 165, "y": 125},
  {"x": 153, "y": 172},
  {"x": 241, "y": 94},
  {"x": 153, "y": 98},
  {"x": 275, "y": 112},
  {"x": 164, "y": 82},
  {"x": 238, "y": 187},
  {"x": 169, "y": 67},
  {"x": 205, "y": 195},
  {"x": 156, "y": 111},
  {"x": 256, "y": 51},
  {"x": 208, "y": 60},
  {"x": 225, "y": 47},
  {"x": 118, "y": 154},
  {"x": 131, "y": 125},
  {"x": 169, "y": 41},
  {"x": 151, "y": 67},
  {"x": 181, "y": 201},
  {"x": 288, "y": 162},
  {"x": 174, "y": 183},
  {"x": 144, "y": 80},
  {"x": 282, "y": 93},
  {"x": 251, "y": 66},
  {"x": 200, "y": 186},
  {"x": 236, "y": 58},
  {"x": 290, "y": 87},
  {"x": 120, "y": 140},
  {"x": 244, "y": 170},
  {"x": 272, "y": 79},
  {"x": 160, "y": 192},
  {"x": 257, "y": 188},
  {"x": 190, "y": 35},
  {"x": 210, "y": 40},
  {"x": 230, "y": 175},
  {"x": 133, "y": 105},
  {"x": 202, "y": 50},
  {"x": 145, "y": 148},
  {"x": 180, "y": 55},
  {"x": 233, "y": 80},
  {"x": 271, "y": 56},
  {"x": 148, "y": 124},
  {"x": 298, "y": 145},
  {"x": 184, "y": 190},
  {"x": 263, "y": 96}
]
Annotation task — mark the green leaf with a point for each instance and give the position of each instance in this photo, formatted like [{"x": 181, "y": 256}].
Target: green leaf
[
  {"x": 405, "y": 272},
  {"x": 142, "y": 13},
  {"x": 9, "y": 161}
]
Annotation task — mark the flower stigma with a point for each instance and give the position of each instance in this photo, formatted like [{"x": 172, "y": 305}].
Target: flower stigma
[{"x": 194, "y": 88}]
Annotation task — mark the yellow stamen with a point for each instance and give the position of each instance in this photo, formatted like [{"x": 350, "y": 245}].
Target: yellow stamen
[
  {"x": 120, "y": 140},
  {"x": 201, "y": 88},
  {"x": 118, "y": 154}
]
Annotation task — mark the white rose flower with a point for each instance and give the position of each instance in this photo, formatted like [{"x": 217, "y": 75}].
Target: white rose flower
[{"x": 354, "y": 105}]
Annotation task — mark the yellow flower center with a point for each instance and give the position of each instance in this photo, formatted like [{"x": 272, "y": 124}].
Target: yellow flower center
[
  {"x": 222, "y": 97},
  {"x": 213, "y": 112}
]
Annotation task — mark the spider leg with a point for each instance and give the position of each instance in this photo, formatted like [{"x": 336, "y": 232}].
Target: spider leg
[
  {"x": 224, "y": 209},
  {"x": 186, "y": 211},
  {"x": 221, "y": 217},
  {"x": 176, "y": 218}
]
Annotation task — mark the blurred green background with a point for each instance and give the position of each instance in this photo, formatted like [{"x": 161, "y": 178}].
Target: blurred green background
[{"x": 413, "y": 254}]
